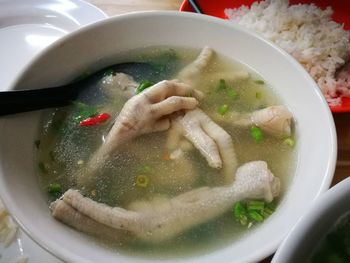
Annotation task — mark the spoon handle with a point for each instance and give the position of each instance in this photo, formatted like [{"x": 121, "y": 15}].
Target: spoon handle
[
  {"x": 195, "y": 6},
  {"x": 28, "y": 100}
]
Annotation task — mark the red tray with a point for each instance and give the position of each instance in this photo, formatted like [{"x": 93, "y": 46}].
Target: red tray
[{"x": 341, "y": 14}]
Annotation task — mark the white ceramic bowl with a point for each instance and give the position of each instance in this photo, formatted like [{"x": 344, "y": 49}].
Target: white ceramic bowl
[
  {"x": 96, "y": 45},
  {"x": 315, "y": 224}
]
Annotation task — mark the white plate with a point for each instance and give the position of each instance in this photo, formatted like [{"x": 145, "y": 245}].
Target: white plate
[{"x": 26, "y": 27}]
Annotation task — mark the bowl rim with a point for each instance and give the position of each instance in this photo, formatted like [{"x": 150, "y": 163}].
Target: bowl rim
[
  {"x": 272, "y": 246},
  {"x": 329, "y": 201}
]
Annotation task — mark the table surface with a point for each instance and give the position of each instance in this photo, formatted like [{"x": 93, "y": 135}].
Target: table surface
[{"x": 342, "y": 120}]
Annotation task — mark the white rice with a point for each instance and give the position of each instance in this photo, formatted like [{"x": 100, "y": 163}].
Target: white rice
[{"x": 308, "y": 33}]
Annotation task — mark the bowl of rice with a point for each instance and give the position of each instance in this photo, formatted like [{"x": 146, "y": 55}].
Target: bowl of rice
[{"x": 315, "y": 33}]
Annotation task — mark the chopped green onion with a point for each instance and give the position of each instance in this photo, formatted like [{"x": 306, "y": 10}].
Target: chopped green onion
[
  {"x": 243, "y": 220},
  {"x": 223, "y": 109},
  {"x": 55, "y": 190},
  {"x": 246, "y": 213},
  {"x": 289, "y": 141},
  {"x": 259, "y": 81},
  {"x": 272, "y": 206},
  {"x": 258, "y": 95},
  {"x": 239, "y": 212},
  {"x": 256, "y": 133},
  {"x": 37, "y": 143},
  {"x": 144, "y": 85},
  {"x": 267, "y": 212},
  {"x": 142, "y": 181},
  {"x": 238, "y": 209},
  {"x": 232, "y": 93},
  {"x": 255, "y": 205},
  {"x": 255, "y": 216},
  {"x": 222, "y": 84}
]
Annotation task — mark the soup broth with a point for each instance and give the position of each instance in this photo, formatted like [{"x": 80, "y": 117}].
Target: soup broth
[{"x": 141, "y": 169}]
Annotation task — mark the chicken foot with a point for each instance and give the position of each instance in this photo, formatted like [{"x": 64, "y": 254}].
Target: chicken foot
[
  {"x": 274, "y": 120},
  {"x": 192, "y": 72},
  {"x": 213, "y": 142},
  {"x": 144, "y": 113},
  {"x": 158, "y": 221}
]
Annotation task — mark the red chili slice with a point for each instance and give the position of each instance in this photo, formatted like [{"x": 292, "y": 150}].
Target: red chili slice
[{"x": 95, "y": 120}]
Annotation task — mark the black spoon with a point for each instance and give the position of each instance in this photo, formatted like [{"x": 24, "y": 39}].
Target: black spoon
[
  {"x": 28, "y": 100},
  {"x": 195, "y": 6}
]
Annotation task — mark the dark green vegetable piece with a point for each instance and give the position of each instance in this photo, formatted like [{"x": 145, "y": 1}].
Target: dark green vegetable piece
[
  {"x": 55, "y": 190},
  {"x": 256, "y": 134},
  {"x": 221, "y": 85},
  {"x": 144, "y": 85}
]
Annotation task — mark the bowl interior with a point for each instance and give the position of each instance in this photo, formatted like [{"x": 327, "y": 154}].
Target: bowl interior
[{"x": 99, "y": 45}]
